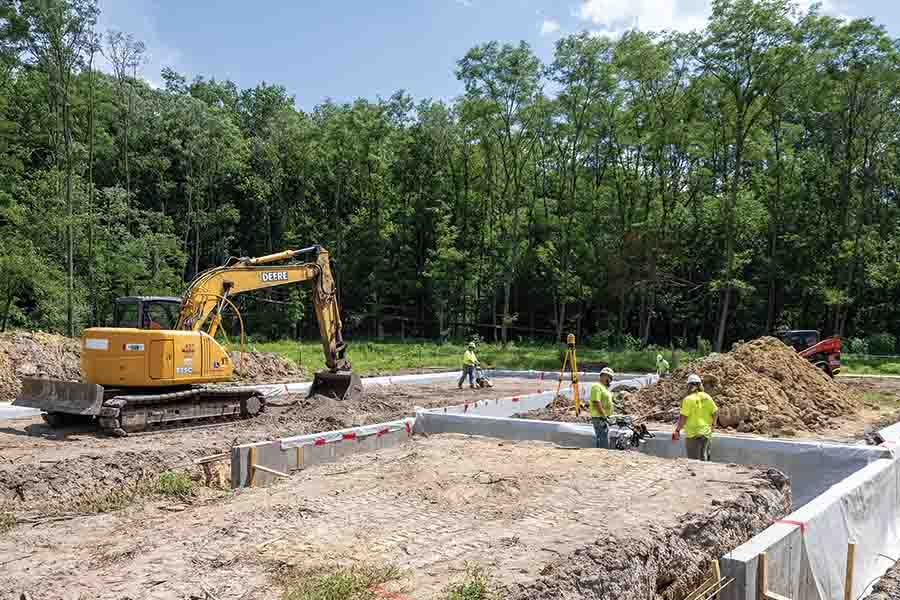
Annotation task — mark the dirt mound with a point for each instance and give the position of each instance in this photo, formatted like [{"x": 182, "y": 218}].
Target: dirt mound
[
  {"x": 562, "y": 408},
  {"x": 762, "y": 386},
  {"x": 376, "y": 404},
  {"x": 265, "y": 367},
  {"x": 36, "y": 354}
]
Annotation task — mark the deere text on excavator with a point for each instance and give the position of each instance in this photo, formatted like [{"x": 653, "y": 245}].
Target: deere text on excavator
[{"x": 156, "y": 364}]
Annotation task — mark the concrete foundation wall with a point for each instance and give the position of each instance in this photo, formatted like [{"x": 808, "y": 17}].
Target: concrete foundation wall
[{"x": 288, "y": 455}]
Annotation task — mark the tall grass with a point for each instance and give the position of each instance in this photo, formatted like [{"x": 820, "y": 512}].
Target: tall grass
[{"x": 374, "y": 357}]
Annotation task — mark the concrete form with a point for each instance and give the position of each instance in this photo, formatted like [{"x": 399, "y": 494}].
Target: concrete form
[{"x": 842, "y": 493}]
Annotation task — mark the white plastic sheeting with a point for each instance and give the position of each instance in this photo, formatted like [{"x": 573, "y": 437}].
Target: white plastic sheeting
[{"x": 807, "y": 550}]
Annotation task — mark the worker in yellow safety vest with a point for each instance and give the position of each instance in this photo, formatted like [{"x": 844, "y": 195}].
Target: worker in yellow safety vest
[
  {"x": 698, "y": 420},
  {"x": 470, "y": 361},
  {"x": 662, "y": 366},
  {"x": 601, "y": 406}
]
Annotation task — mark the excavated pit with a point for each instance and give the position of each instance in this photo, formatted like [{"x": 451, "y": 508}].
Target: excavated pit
[{"x": 542, "y": 521}]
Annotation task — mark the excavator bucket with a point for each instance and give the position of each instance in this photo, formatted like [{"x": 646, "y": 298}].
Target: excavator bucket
[
  {"x": 54, "y": 396},
  {"x": 343, "y": 386}
]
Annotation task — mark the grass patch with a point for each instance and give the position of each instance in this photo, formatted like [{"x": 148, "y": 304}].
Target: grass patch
[
  {"x": 178, "y": 485},
  {"x": 109, "y": 501},
  {"x": 170, "y": 483},
  {"x": 869, "y": 365},
  {"x": 357, "y": 582},
  {"x": 881, "y": 399},
  {"x": 7, "y": 521},
  {"x": 374, "y": 357},
  {"x": 475, "y": 585}
]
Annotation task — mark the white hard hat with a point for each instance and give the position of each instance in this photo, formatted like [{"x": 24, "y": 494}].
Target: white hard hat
[
  {"x": 607, "y": 371},
  {"x": 471, "y": 344},
  {"x": 694, "y": 379},
  {"x": 659, "y": 357}
]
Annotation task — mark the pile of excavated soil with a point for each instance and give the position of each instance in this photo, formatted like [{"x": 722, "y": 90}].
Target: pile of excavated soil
[
  {"x": 36, "y": 354},
  {"x": 39, "y": 354},
  {"x": 762, "y": 386},
  {"x": 562, "y": 408},
  {"x": 265, "y": 367},
  {"x": 543, "y": 522}
]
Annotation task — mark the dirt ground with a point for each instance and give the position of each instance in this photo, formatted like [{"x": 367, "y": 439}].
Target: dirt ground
[
  {"x": 43, "y": 469},
  {"x": 544, "y": 522}
]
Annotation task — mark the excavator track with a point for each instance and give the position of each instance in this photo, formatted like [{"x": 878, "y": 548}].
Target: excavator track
[{"x": 124, "y": 414}]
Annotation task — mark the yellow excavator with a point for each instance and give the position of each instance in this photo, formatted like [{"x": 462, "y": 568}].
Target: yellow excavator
[{"x": 156, "y": 364}]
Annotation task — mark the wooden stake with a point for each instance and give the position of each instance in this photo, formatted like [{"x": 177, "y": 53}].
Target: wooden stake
[
  {"x": 848, "y": 580},
  {"x": 272, "y": 471},
  {"x": 762, "y": 580},
  {"x": 762, "y": 576},
  {"x": 299, "y": 450},
  {"x": 251, "y": 464}
]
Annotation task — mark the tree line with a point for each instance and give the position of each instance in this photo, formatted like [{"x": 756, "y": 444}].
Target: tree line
[{"x": 662, "y": 187}]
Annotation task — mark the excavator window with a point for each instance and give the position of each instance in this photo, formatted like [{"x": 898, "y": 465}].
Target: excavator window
[
  {"x": 160, "y": 315},
  {"x": 146, "y": 313},
  {"x": 127, "y": 314}
]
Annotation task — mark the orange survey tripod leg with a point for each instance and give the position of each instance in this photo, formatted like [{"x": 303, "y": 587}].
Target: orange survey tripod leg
[{"x": 571, "y": 361}]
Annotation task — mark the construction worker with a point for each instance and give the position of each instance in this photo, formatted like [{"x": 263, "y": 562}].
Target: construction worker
[
  {"x": 698, "y": 419},
  {"x": 662, "y": 366},
  {"x": 601, "y": 406},
  {"x": 470, "y": 361}
]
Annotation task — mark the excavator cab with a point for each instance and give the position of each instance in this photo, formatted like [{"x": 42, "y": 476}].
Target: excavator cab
[{"x": 146, "y": 312}]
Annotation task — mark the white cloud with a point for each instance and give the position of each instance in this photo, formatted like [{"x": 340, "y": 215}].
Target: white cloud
[
  {"x": 614, "y": 17},
  {"x": 549, "y": 26},
  {"x": 465, "y": 3},
  {"x": 834, "y": 8}
]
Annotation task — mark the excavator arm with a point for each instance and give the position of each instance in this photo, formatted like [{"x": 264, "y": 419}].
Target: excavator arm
[{"x": 209, "y": 294}]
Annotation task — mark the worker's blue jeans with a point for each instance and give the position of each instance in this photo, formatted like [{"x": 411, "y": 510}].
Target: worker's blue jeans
[
  {"x": 601, "y": 431},
  {"x": 470, "y": 371}
]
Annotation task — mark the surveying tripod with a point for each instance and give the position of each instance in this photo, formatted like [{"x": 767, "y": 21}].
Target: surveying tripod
[{"x": 572, "y": 362}]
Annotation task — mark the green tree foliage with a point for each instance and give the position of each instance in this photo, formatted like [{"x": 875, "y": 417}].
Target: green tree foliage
[{"x": 711, "y": 185}]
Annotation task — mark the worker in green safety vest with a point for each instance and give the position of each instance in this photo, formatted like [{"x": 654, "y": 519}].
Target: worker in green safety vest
[{"x": 601, "y": 406}]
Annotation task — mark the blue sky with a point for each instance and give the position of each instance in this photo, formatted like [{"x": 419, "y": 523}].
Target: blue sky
[{"x": 368, "y": 48}]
